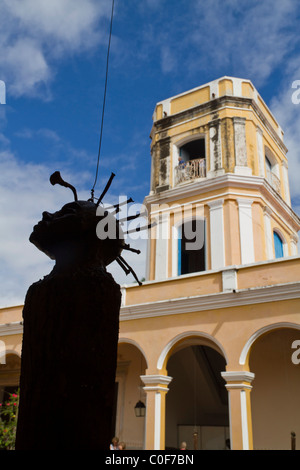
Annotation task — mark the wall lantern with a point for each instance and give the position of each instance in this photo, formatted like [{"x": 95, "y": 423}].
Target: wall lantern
[{"x": 140, "y": 409}]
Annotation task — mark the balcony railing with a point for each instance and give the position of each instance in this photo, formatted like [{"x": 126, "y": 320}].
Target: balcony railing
[{"x": 189, "y": 170}]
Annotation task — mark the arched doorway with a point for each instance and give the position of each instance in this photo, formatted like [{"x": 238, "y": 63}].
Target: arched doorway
[
  {"x": 197, "y": 401},
  {"x": 276, "y": 389},
  {"x": 129, "y": 390}
]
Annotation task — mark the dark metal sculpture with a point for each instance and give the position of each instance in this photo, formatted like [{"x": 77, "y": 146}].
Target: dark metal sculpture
[{"x": 71, "y": 325}]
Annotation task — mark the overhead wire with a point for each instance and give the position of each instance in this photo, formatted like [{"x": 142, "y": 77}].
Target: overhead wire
[{"x": 104, "y": 99}]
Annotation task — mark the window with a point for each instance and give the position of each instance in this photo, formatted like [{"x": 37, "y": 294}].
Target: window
[
  {"x": 191, "y": 161},
  {"x": 278, "y": 245},
  {"x": 191, "y": 247},
  {"x": 193, "y": 150}
]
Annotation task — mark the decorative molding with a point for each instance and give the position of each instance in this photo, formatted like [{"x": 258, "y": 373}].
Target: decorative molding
[
  {"x": 229, "y": 280},
  {"x": 238, "y": 376},
  {"x": 227, "y": 180},
  {"x": 183, "y": 337},
  {"x": 249, "y": 296},
  {"x": 257, "y": 334},
  {"x": 217, "y": 240},
  {"x": 14, "y": 328},
  {"x": 151, "y": 380},
  {"x": 246, "y": 230}
]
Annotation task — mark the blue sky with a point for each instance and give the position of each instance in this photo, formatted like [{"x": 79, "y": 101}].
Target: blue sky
[{"x": 52, "y": 60}]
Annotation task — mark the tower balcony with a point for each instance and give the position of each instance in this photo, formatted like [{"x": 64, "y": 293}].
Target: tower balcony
[{"x": 189, "y": 170}]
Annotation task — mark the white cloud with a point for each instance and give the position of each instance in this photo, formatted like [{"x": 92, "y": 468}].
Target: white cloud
[
  {"x": 249, "y": 37},
  {"x": 288, "y": 115},
  {"x": 25, "y": 192},
  {"x": 26, "y": 67},
  {"x": 34, "y": 34}
]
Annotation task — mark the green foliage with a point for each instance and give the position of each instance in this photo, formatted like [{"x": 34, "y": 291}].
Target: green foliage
[{"x": 8, "y": 422}]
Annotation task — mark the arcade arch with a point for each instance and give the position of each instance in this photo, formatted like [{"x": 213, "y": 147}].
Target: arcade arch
[
  {"x": 276, "y": 387},
  {"x": 131, "y": 364},
  {"x": 197, "y": 400}
]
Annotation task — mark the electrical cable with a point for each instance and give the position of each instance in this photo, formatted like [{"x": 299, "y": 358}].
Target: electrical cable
[{"x": 104, "y": 99}]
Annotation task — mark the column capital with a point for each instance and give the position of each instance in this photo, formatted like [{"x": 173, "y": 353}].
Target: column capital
[
  {"x": 238, "y": 379},
  {"x": 244, "y": 202},
  {"x": 259, "y": 130},
  {"x": 216, "y": 204},
  {"x": 156, "y": 383},
  {"x": 239, "y": 120},
  {"x": 267, "y": 211}
]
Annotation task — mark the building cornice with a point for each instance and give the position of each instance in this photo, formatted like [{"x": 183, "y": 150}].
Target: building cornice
[
  {"x": 227, "y": 180},
  {"x": 221, "y": 300},
  {"x": 13, "y": 328},
  {"x": 211, "y": 106}
]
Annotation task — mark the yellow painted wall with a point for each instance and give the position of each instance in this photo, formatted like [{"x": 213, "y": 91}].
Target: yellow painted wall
[{"x": 190, "y": 100}]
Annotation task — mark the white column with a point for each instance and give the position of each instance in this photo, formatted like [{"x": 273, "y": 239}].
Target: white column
[
  {"x": 294, "y": 245},
  {"x": 215, "y": 149},
  {"x": 156, "y": 387},
  {"x": 2, "y": 352},
  {"x": 238, "y": 384},
  {"x": 240, "y": 147},
  {"x": 217, "y": 244},
  {"x": 260, "y": 151},
  {"x": 161, "y": 254},
  {"x": 268, "y": 233},
  {"x": 287, "y": 196},
  {"x": 246, "y": 231}
]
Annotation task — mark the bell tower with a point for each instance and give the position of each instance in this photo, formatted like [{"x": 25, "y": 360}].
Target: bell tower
[{"x": 219, "y": 182}]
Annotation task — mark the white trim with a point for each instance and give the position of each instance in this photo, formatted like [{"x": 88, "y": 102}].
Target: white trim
[
  {"x": 124, "y": 340},
  {"x": 286, "y": 186},
  {"x": 13, "y": 328},
  {"x": 229, "y": 280},
  {"x": 161, "y": 250},
  {"x": 189, "y": 335},
  {"x": 157, "y": 421},
  {"x": 217, "y": 242},
  {"x": 210, "y": 184},
  {"x": 212, "y": 301},
  {"x": 260, "y": 151},
  {"x": 268, "y": 233},
  {"x": 239, "y": 375},
  {"x": 2, "y": 352},
  {"x": 152, "y": 380},
  {"x": 261, "y": 331},
  {"x": 244, "y": 417},
  {"x": 246, "y": 230},
  {"x": 156, "y": 379}
]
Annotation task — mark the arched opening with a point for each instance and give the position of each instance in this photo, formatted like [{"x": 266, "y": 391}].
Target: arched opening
[
  {"x": 127, "y": 426},
  {"x": 191, "y": 160},
  {"x": 192, "y": 150},
  {"x": 197, "y": 401},
  {"x": 276, "y": 389},
  {"x": 191, "y": 247}
]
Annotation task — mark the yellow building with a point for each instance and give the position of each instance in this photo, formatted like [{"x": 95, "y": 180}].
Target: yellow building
[{"x": 211, "y": 341}]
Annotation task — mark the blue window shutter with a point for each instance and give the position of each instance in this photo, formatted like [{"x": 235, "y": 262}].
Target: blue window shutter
[
  {"x": 179, "y": 256},
  {"x": 278, "y": 245}
]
